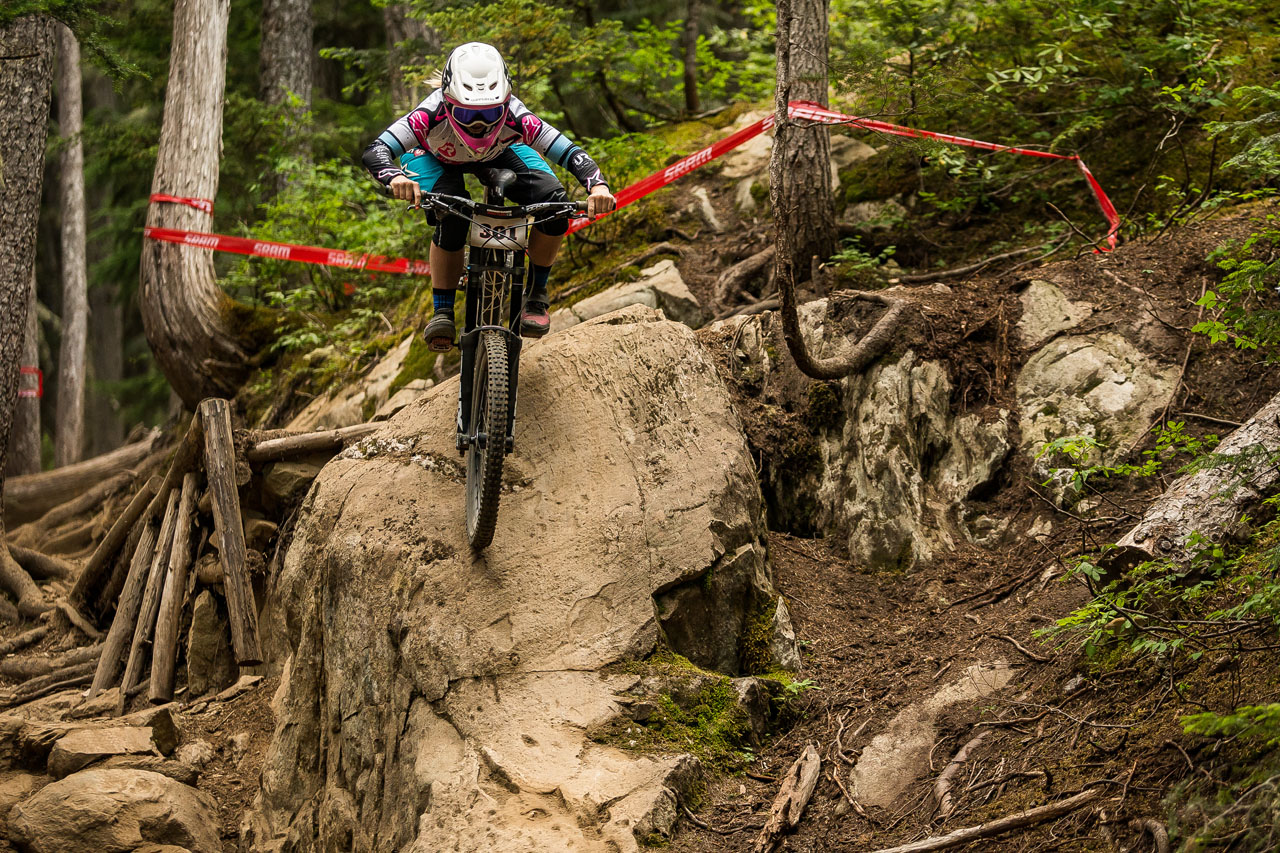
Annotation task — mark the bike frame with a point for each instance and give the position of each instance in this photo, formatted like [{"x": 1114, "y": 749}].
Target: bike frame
[{"x": 496, "y": 265}]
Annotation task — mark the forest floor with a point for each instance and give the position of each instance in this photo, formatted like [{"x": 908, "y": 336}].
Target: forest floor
[{"x": 876, "y": 643}]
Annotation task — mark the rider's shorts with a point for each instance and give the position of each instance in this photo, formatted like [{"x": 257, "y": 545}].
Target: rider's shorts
[{"x": 535, "y": 183}]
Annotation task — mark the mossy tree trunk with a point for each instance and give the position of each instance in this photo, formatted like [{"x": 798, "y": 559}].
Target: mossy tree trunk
[{"x": 187, "y": 317}]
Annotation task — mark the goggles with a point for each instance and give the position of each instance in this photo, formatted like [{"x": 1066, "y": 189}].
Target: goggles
[{"x": 478, "y": 119}]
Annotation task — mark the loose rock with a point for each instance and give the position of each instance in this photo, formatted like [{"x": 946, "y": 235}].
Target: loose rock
[{"x": 115, "y": 811}]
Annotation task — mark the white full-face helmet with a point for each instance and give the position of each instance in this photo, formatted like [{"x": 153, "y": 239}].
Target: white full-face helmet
[{"x": 476, "y": 89}]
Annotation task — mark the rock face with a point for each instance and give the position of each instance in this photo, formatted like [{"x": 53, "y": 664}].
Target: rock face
[
  {"x": 1098, "y": 386},
  {"x": 115, "y": 811},
  {"x": 895, "y": 465},
  {"x": 352, "y": 403},
  {"x": 1046, "y": 311},
  {"x": 434, "y": 699},
  {"x": 659, "y": 286}
]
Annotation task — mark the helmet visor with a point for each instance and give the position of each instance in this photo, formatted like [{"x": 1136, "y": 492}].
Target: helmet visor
[{"x": 487, "y": 116}]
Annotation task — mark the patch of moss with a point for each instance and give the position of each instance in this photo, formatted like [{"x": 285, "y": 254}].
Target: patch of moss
[
  {"x": 705, "y": 720},
  {"x": 760, "y": 193},
  {"x": 418, "y": 364},
  {"x": 825, "y": 411},
  {"x": 754, "y": 652}
]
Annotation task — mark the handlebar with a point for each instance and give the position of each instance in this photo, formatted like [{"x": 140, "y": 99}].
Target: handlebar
[{"x": 466, "y": 207}]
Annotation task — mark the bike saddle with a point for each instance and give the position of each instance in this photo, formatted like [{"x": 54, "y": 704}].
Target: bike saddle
[{"x": 497, "y": 180}]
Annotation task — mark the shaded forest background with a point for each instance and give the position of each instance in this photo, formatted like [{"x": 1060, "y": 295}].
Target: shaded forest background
[{"x": 1172, "y": 103}]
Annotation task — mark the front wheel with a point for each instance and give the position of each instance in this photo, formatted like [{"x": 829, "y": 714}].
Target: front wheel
[{"x": 489, "y": 394}]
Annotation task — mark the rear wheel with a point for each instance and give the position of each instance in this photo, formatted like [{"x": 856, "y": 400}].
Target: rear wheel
[{"x": 489, "y": 395}]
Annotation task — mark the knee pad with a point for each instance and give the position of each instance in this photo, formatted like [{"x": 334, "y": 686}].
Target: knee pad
[
  {"x": 451, "y": 234},
  {"x": 555, "y": 227}
]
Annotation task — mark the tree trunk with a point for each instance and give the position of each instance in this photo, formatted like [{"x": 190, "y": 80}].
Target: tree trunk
[
  {"x": 24, "y": 440},
  {"x": 68, "y": 440},
  {"x": 400, "y": 29},
  {"x": 1211, "y": 502},
  {"x": 805, "y": 152},
  {"x": 26, "y": 74},
  {"x": 286, "y": 51},
  {"x": 187, "y": 317},
  {"x": 692, "y": 10},
  {"x": 106, "y": 367}
]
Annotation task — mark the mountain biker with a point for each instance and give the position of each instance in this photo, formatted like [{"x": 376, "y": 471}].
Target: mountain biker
[{"x": 472, "y": 121}]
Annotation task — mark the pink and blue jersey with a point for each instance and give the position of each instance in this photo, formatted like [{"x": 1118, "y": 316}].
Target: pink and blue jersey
[{"x": 427, "y": 128}]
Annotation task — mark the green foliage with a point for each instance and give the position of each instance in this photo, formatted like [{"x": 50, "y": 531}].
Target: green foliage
[
  {"x": 852, "y": 259},
  {"x": 1078, "y": 457},
  {"x": 1255, "y": 722}
]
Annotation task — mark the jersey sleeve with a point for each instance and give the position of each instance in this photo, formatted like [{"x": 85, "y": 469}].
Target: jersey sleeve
[
  {"x": 380, "y": 158},
  {"x": 556, "y": 147}
]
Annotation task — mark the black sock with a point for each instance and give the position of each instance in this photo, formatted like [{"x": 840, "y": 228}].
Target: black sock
[{"x": 538, "y": 284}]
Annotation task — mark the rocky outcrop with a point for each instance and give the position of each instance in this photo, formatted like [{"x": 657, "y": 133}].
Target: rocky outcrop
[
  {"x": 1099, "y": 387},
  {"x": 893, "y": 465},
  {"x": 356, "y": 402},
  {"x": 115, "y": 811},
  {"x": 437, "y": 699},
  {"x": 659, "y": 286}
]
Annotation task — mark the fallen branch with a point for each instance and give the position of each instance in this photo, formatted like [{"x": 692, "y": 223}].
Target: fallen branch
[
  {"x": 78, "y": 506},
  {"x": 1031, "y": 817},
  {"x": 146, "y": 621},
  {"x": 284, "y": 447},
  {"x": 769, "y": 304},
  {"x": 923, "y": 278},
  {"x": 126, "y": 612},
  {"x": 28, "y": 497},
  {"x": 1035, "y": 657},
  {"x": 946, "y": 779},
  {"x": 788, "y": 806}
]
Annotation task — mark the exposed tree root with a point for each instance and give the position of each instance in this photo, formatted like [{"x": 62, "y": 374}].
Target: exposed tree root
[
  {"x": 41, "y": 565},
  {"x": 28, "y": 638},
  {"x": 29, "y": 497},
  {"x": 731, "y": 281},
  {"x": 1031, "y": 817},
  {"x": 946, "y": 779},
  {"x": 14, "y": 579},
  {"x": 27, "y": 668},
  {"x": 1157, "y": 831}
]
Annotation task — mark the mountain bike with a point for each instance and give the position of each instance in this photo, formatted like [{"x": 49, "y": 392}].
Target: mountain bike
[{"x": 489, "y": 376}]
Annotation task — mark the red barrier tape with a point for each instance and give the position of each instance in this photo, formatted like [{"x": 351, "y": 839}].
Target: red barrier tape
[
  {"x": 816, "y": 112},
  {"x": 628, "y": 195},
  {"x": 37, "y": 391},
  {"x": 288, "y": 251},
  {"x": 198, "y": 203}
]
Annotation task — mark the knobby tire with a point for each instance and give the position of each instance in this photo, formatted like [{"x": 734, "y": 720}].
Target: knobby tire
[{"x": 490, "y": 389}]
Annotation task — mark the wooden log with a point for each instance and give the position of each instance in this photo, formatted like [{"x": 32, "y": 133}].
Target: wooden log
[
  {"x": 165, "y": 650},
  {"x": 29, "y": 497},
  {"x": 146, "y": 621},
  {"x": 76, "y": 537},
  {"x": 220, "y": 467},
  {"x": 126, "y": 612},
  {"x": 1211, "y": 501},
  {"x": 797, "y": 787},
  {"x": 30, "y": 638},
  {"x": 285, "y": 447},
  {"x": 41, "y": 565},
  {"x": 1031, "y": 817},
  {"x": 93, "y": 571},
  {"x": 63, "y": 512},
  {"x": 34, "y": 666}
]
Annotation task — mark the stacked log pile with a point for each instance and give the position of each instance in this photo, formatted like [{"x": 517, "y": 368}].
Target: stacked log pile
[{"x": 130, "y": 548}]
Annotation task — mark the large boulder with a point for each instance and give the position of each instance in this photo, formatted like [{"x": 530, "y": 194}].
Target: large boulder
[
  {"x": 115, "y": 811},
  {"x": 437, "y": 699}
]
